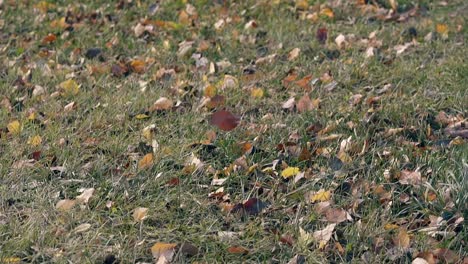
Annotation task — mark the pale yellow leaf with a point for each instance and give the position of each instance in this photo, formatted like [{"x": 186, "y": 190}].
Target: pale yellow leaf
[
  {"x": 256, "y": 92},
  {"x": 139, "y": 214},
  {"x": 14, "y": 127},
  {"x": 289, "y": 172},
  {"x": 70, "y": 87},
  {"x": 35, "y": 141},
  {"x": 82, "y": 228},
  {"x": 65, "y": 205}
]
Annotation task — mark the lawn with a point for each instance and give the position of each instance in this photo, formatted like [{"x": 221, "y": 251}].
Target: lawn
[{"x": 224, "y": 131}]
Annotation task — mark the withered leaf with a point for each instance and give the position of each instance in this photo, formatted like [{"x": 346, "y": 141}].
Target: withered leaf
[{"x": 224, "y": 120}]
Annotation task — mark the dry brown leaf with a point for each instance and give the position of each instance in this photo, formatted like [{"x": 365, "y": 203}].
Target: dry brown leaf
[
  {"x": 305, "y": 104},
  {"x": 162, "y": 103},
  {"x": 82, "y": 228},
  {"x": 410, "y": 178},
  {"x": 402, "y": 239},
  {"x": 324, "y": 235},
  {"x": 85, "y": 195},
  {"x": 65, "y": 205},
  {"x": 238, "y": 250},
  {"x": 224, "y": 120},
  {"x": 336, "y": 215}
]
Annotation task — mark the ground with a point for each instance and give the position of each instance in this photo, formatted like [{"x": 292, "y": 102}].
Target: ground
[{"x": 233, "y": 131}]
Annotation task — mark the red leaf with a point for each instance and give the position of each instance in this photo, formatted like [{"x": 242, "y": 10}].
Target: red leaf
[
  {"x": 224, "y": 120},
  {"x": 322, "y": 34}
]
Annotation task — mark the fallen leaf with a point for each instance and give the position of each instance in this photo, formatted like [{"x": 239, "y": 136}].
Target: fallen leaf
[
  {"x": 14, "y": 127},
  {"x": 146, "y": 161},
  {"x": 69, "y": 87},
  {"x": 327, "y": 12},
  {"x": 163, "y": 252},
  {"x": 49, "y": 39},
  {"x": 224, "y": 120},
  {"x": 289, "y": 172},
  {"x": 256, "y": 93},
  {"x": 410, "y": 178},
  {"x": 321, "y": 196},
  {"x": 293, "y": 54},
  {"x": 305, "y": 104},
  {"x": 443, "y": 30},
  {"x": 340, "y": 41},
  {"x": 82, "y": 228},
  {"x": 238, "y": 250},
  {"x": 85, "y": 195},
  {"x": 419, "y": 261},
  {"x": 65, "y": 205},
  {"x": 324, "y": 235},
  {"x": 321, "y": 35},
  {"x": 289, "y": 104},
  {"x": 162, "y": 103},
  {"x": 140, "y": 213},
  {"x": 401, "y": 239},
  {"x": 253, "y": 206},
  {"x": 336, "y": 215},
  {"x": 137, "y": 66},
  {"x": 35, "y": 141}
]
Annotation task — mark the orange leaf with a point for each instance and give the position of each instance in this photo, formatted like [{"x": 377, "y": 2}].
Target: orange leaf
[
  {"x": 146, "y": 161},
  {"x": 137, "y": 66},
  {"x": 49, "y": 39}
]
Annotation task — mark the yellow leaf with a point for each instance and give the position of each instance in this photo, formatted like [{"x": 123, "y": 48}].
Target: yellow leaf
[
  {"x": 14, "y": 127},
  {"x": 442, "y": 29},
  {"x": 327, "y": 12},
  {"x": 32, "y": 116},
  {"x": 146, "y": 161},
  {"x": 70, "y": 87},
  {"x": 321, "y": 196},
  {"x": 35, "y": 141},
  {"x": 139, "y": 214},
  {"x": 10, "y": 260},
  {"x": 257, "y": 93},
  {"x": 210, "y": 91},
  {"x": 141, "y": 116},
  {"x": 390, "y": 226},
  {"x": 289, "y": 172}
]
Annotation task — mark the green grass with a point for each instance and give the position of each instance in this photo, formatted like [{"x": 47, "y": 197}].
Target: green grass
[{"x": 427, "y": 78}]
